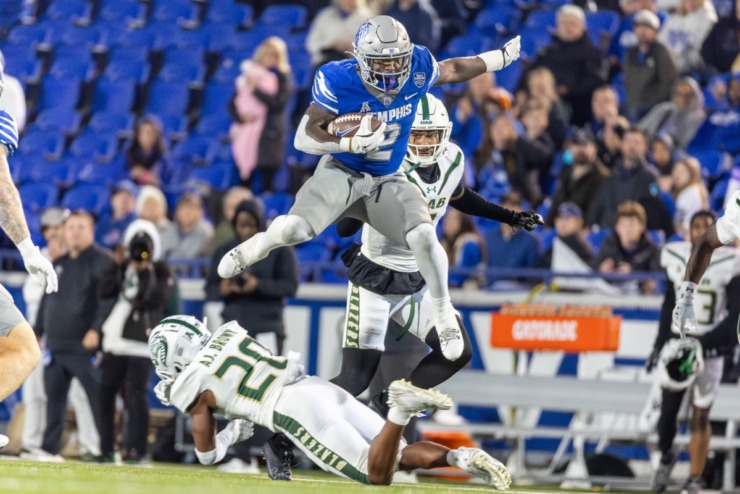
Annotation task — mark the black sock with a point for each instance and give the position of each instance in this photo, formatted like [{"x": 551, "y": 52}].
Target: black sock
[
  {"x": 668, "y": 423},
  {"x": 358, "y": 369},
  {"x": 435, "y": 369}
]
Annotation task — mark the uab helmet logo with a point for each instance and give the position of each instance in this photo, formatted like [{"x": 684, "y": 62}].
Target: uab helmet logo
[{"x": 158, "y": 350}]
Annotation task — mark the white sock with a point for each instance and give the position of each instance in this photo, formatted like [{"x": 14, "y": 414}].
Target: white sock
[
  {"x": 452, "y": 459},
  {"x": 441, "y": 306},
  {"x": 398, "y": 417}
]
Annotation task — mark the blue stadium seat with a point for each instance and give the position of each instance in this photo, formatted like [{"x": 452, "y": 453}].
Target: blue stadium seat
[
  {"x": 508, "y": 77},
  {"x": 22, "y": 68},
  {"x": 48, "y": 144},
  {"x": 185, "y": 56},
  {"x": 533, "y": 40},
  {"x": 122, "y": 11},
  {"x": 113, "y": 96},
  {"x": 38, "y": 196},
  {"x": 313, "y": 251},
  {"x": 597, "y": 237},
  {"x": 135, "y": 38},
  {"x": 193, "y": 74},
  {"x": 226, "y": 72},
  {"x": 714, "y": 163},
  {"x": 465, "y": 45},
  {"x": 717, "y": 196},
  {"x": 215, "y": 125},
  {"x": 72, "y": 68},
  {"x": 197, "y": 150},
  {"x": 603, "y": 21},
  {"x": 196, "y": 39},
  {"x": 228, "y": 12},
  {"x": 541, "y": 20},
  {"x": 129, "y": 54},
  {"x": 296, "y": 43},
  {"x": 303, "y": 73},
  {"x": 216, "y": 98},
  {"x": 175, "y": 127},
  {"x": 163, "y": 32},
  {"x": 68, "y": 11},
  {"x": 220, "y": 37},
  {"x": 167, "y": 98},
  {"x": 58, "y": 173},
  {"x": 174, "y": 11},
  {"x": 28, "y": 35},
  {"x": 91, "y": 145},
  {"x": 129, "y": 71},
  {"x": 59, "y": 93},
  {"x": 293, "y": 16},
  {"x": 90, "y": 197},
  {"x": 88, "y": 172},
  {"x": 276, "y": 203},
  {"x": 18, "y": 52},
  {"x": 706, "y": 138},
  {"x": 63, "y": 120},
  {"x": 219, "y": 175},
  {"x": 497, "y": 20},
  {"x": 121, "y": 124},
  {"x": 79, "y": 37}
]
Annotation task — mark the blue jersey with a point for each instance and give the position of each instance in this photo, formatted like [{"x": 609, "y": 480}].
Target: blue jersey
[{"x": 338, "y": 88}]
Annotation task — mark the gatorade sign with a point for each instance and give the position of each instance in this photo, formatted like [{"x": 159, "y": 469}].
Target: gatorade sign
[{"x": 570, "y": 329}]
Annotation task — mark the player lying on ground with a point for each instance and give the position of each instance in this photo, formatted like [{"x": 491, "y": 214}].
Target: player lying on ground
[
  {"x": 358, "y": 175},
  {"x": 717, "y": 303},
  {"x": 230, "y": 373},
  {"x": 385, "y": 283},
  {"x": 19, "y": 350}
]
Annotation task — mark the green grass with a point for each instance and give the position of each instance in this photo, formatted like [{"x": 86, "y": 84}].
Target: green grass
[{"x": 78, "y": 478}]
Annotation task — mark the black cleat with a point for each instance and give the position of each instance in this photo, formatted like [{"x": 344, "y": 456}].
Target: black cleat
[{"x": 278, "y": 453}]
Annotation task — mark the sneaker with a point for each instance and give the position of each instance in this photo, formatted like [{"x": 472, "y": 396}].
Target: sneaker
[
  {"x": 239, "y": 258},
  {"x": 479, "y": 463},
  {"x": 662, "y": 474},
  {"x": 3, "y": 441},
  {"x": 235, "y": 465},
  {"x": 279, "y": 457},
  {"x": 450, "y": 335},
  {"x": 401, "y": 477},
  {"x": 692, "y": 486},
  {"x": 42, "y": 456},
  {"x": 413, "y": 400}
]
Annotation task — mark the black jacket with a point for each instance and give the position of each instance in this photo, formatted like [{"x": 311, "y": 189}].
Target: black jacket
[
  {"x": 645, "y": 258},
  {"x": 722, "y": 44},
  {"x": 65, "y": 316},
  {"x": 526, "y": 163},
  {"x": 581, "y": 191},
  {"x": 262, "y": 311},
  {"x": 623, "y": 185}
]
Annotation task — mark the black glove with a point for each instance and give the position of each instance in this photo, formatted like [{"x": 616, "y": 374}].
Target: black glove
[
  {"x": 652, "y": 360},
  {"x": 529, "y": 221}
]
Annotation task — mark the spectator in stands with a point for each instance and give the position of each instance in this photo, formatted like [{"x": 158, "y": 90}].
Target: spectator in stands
[
  {"x": 680, "y": 117},
  {"x": 604, "y": 105},
  {"x": 522, "y": 158},
  {"x": 13, "y": 98},
  {"x": 192, "y": 233},
  {"x": 33, "y": 393},
  {"x": 727, "y": 99},
  {"x": 72, "y": 320},
  {"x": 453, "y": 16},
  {"x": 574, "y": 61},
  {"x": 464, "y": 246},
  {"x": 540, "y": 84},
  {"x": 146, "y": 158},
  {"x": 224, "y": 231},
  {"x": 112, "y": 225},
  {"x": 721, "y": 48},
  {"x": 569, "y": 230},
  {"x": 630, "y": 180},
  {"x": 689, "y": 192},
  {"x": 151, "y": 205},
  {"x": 333, "y": 30},
  {"x": 138, "y": 285},
  {"x": 628, "y": 249},
  {"x": 509, "y": 247},
  {"x": 662, "y": 157},
  {"x": 610, "y": 143},
  {"x": 649, "y": 70},
  {"x": 685, "y": 31},
  {"x": 258, "y": 109},
  {"x": 468, "y": 114},
  {"x": 581, "y": 176},
  {"x": 535, "y": 120},
  {"x": 420, "y": 19},
  {"x": 625, "y": 37}
]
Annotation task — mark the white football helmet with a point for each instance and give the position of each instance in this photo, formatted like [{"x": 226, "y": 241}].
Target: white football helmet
[
  {"x": 381, "y": 39},
  {"x": 432, "y": 115},
  {"x": 680, "y": 361},
  {"x": 174, "y": 342}
]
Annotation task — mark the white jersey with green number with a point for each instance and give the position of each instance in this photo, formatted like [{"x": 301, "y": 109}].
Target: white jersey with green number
[
  {"x": 397, "y": 256},
  {"x": 710, "y": 297},
  {"x": 728, "y": 226},
  {"x": 245, "y": 378}
]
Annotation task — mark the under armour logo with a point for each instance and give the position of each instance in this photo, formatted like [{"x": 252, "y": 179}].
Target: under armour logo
[{"x": 431, "y": 189}]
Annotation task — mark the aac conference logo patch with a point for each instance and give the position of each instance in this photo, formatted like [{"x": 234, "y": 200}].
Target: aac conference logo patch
[{"x": 419, "y": 79}]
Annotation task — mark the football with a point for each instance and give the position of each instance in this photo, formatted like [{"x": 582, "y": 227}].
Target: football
[{"x": 346, "y": 125}]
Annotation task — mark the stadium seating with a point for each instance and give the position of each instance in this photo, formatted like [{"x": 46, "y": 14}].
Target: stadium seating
[
  {"x": 229, "y": 13},
  {"x": 543, "y": 20},
  {"x": 174, "y": 11},
  {"x": 59, "y": 93},
  {"x": 113, "y": 96},
  {"x": 216, "y": 98},
  {"x": 112, "y": 122},
  {"x": 38, "y": 196},
  {"x": 167, "y": 98},
  {"x": 89, "y": 172},
  {"x": 62, "y": 120},
  {"x": 293, "y": 16},
  {"x": 216, "y": 125},
  {"x": 218, "y": 175},
  {"x": 31, "y": 35},
  {"x": 90, "y": 197},
  {"x": 48, "y": 144},
  {"x": 92, "y": 145},
  {"x": 276, "y": 204}
]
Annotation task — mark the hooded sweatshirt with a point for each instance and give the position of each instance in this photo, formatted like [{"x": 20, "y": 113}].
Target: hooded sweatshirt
[{"x": 685, "y": 34}]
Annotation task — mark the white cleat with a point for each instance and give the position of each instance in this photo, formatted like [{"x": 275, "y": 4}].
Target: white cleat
[
  {"x": 239, "y": 258},
  {"x": 450, "y": 335},
  {"x": 3, "y": 441},
  {"x": 414, "y": 400},
  {"x": 479, "y": 463}
]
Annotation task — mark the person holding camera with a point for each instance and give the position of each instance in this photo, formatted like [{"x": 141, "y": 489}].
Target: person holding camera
[{"x": 140, "y": 284}]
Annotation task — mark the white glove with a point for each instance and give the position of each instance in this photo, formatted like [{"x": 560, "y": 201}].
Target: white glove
[
  {"x": 39, "y": 267},
  {"x": 684, "y": 320},
  {"x": 365, "y": 140},
  {"x": 239, "y": 430},
  {"x": 162, "y": 391},
  {"x": 498, "y": 59}
]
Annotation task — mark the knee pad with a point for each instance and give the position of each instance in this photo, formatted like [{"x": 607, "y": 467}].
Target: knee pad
[
  {"x": 294, "y": 229},
  {"x": 423, "y": 237}
]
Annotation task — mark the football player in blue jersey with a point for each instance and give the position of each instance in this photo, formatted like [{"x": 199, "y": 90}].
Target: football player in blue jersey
[
  {"x": 19, "y": 350},
  {"x": 359, "y": 176}
]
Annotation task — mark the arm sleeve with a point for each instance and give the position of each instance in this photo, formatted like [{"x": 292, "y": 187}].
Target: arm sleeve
[
  {"x": 39, "y": 328},
  {"x": 323, "y": 92},
  {"x": 284, "y": 283},
  {"x": 664, "y": 320},
  {"x": 474, "y": 204},
  {"x": 727, "y": 225},
  {"x": 213, "y": 281},
  {"x": 100, "y": 266},
  {"x": 725, "y": 333}
]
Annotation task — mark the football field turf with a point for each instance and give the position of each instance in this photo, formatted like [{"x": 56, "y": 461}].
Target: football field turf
[{"x": 77, "y": 478}]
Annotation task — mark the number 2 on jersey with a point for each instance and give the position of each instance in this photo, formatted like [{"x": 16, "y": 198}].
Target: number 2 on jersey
[
  {"x": 250, "y": 350},
  {"x": 392, "y": 131}
]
